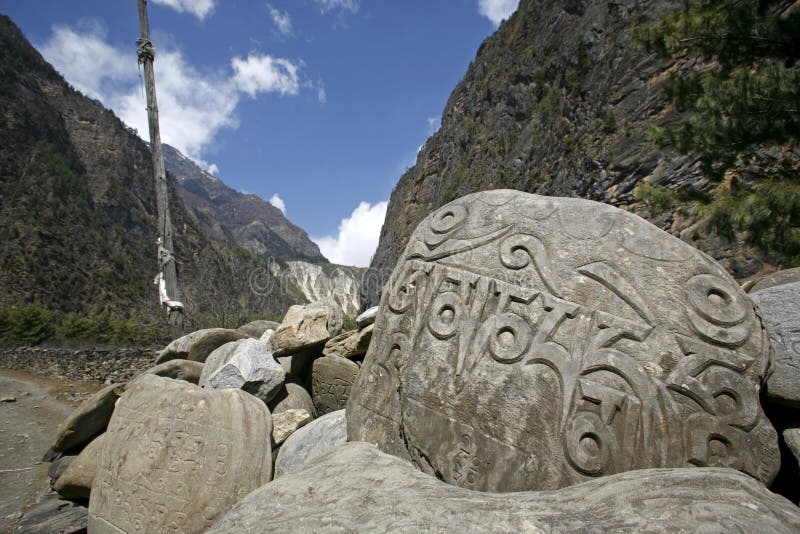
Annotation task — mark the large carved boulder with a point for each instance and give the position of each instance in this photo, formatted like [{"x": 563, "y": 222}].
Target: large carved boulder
[
  {"x": 331, "y": 381},
  {"x": 356, "y": 488},
  {"x": 313, "y": 441},
  {"x": 780, "y": 308},
  {"x": 306, "y": 326},
  {"x": 526, "y": 342},
  {"x": 178, "y": 456}
]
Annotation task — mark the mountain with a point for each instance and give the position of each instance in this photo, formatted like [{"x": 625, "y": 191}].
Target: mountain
[
  {"x": 558, "y": 101},
  {"x": 77, "y": 210},
  {"x": 228, "y": 215}
]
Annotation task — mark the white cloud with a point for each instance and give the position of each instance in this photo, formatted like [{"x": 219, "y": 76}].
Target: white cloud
[
  {"x": 497, "y": 10},
  {"x": 199, "y": 8},
  {"x": 344, "y": 5},
  {"x": 322, "y": 95},
  {"x": 212, "y": 169},
  {"x": 193, "y": 105},
  {"x": 278, "y": 202},
  {"x": 265, "y": 74},
  {"x": 434, "y": 123},
  {"x": 281, "y": 20},
  {"x": 358, "y": 236}
]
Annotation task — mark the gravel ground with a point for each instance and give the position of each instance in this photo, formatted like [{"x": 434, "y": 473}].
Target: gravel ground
[{"x": 31, "y": 408}]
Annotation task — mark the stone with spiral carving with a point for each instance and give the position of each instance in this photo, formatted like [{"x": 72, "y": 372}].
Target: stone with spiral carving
[{"x": 527, "y": 342}]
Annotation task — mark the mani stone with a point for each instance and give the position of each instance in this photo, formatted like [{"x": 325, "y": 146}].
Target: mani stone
[
  {"x": 331, "y": 380},
  {"x": 368, "y": 317},
  {"x": 285, "y": 423},
  {"x": 292, "y": 396},
  {"x": 307, "y": 326},
  {"x": 530, "y": 343},
  {"x": 313, "y": 441},
  {"x": 76, "y": 480},
  {"x": 357, "y": 488},
  {"x": 198, "y": 345},
  {"x": 179, "y": 456},
  {"x": 249, "y": 367},
  {"x": 780, "y": 307},
  {"x": 88, "y": 421},
  {"x": 186, "y": 370},
  {"x": 350, "y": 344}
]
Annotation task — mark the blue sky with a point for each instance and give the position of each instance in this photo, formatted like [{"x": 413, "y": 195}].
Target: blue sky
[{"x": 318, "y": 105}]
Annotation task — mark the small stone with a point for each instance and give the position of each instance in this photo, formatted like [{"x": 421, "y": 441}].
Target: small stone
[
  {"x": 284, "y": 424},
  {"x": 8, "y": 399}
]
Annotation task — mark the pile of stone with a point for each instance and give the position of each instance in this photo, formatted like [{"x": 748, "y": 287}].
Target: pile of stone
[{"x": 606, "y": 372}]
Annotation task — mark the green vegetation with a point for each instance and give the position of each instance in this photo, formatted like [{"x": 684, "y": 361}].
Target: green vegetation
[
  {"x": 349, "y": 323},
  {"x": 657, "y": 197},
  {"x": 31, "y": 323},
  {"x": 740, "y": 113}
]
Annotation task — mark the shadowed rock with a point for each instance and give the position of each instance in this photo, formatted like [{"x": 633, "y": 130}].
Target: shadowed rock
[
  {"x": 357, "y": 488},
  {"x": 331, "y": 380},
  {"x": 76, "y": 480}
]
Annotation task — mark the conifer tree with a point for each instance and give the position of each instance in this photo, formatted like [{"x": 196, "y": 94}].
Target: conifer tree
[{"x": 739, "y": 112}]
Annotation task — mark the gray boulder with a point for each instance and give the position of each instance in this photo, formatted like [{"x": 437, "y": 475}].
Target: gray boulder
[
  {"x": 88, "y": 421},
  {"x": 178, "y": 369},
  {"x": 178, "y": 456},
  {"x": 77, "y": 479},
  {"x": 250, "y": 368},
  {"x": 527, "y": 342},
  {"x": 307, "y": 326},
  {"x": 292, "y": 396},
  {"x": 313, "y": 441},
  {"x": 357, "y": 488},
  {"x": 786, "y": 276},
  {"x": 299, "y": 364},
  {"x": 198, "y": 345},
  {"x": 780, "y": 307},
  {"x": 51, "y": 514},
  {"x": 368, "y": 317},
  {"x": 331, "y": 380},
  {"x": 350, "y": 344},
  {"x": 217, "y": 359},
  {"x": 256, "y": 329}
]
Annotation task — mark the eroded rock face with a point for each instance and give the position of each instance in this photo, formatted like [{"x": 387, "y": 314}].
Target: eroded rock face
[
  {"x": 307, "y": 326},
  {"x": 330, "y": 495},
  {"x": 178, "y": 456},
  {"x": 527, "y": 342},
  {"x": 780, "y": 308}
]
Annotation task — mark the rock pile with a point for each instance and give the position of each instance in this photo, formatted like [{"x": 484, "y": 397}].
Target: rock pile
[{"x": 522, "y": 344}]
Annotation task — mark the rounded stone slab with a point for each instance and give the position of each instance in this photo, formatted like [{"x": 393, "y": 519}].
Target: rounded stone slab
[
  {"x": 356, "y": 488},
  {"x": 198, "y": 345},
  {"x": 292, "y": 396},
  {"x": 178, "y": 456},
  {"x": 780, "y": 307},
  {"x": 88, "y": 421},
  {"x": 332, "y": 378},
  {"x": 77, "y": 479},
  {"x": 313, "y": 441},
  {"x": 528, "y": 342}
]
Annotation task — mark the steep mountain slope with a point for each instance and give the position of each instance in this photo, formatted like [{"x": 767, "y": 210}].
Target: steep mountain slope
[
  {"x": 226, "y": 214},
  {"x": 557, "y": 102},
  {"x": 77, "y": 209}
]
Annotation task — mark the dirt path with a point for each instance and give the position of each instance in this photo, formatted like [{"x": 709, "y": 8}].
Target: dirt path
[{"x": 27, "y": 428}]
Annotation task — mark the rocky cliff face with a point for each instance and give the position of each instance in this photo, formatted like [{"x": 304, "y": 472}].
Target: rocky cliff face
[
  {"x": 77, "y": 208},
  {"x": 226, "y": 214},
  {"x": 319, "y": 281},
  {"x": 557, "y": 102}
]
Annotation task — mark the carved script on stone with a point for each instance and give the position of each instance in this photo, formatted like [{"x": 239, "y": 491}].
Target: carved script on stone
[{"x": 526, "y": 342}]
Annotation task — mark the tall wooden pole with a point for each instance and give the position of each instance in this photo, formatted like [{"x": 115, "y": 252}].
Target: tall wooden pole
[{"x": 169, "y": 293}]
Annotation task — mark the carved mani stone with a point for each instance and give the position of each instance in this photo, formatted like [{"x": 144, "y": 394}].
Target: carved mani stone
[
  {"x": 331, "y": 381},
  {"x": 177, "y": 456},
  {"x": 526, "y": 342}
]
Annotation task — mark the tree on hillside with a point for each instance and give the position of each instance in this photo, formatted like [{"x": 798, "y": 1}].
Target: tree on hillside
[{"x": 739, "y": 104}]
